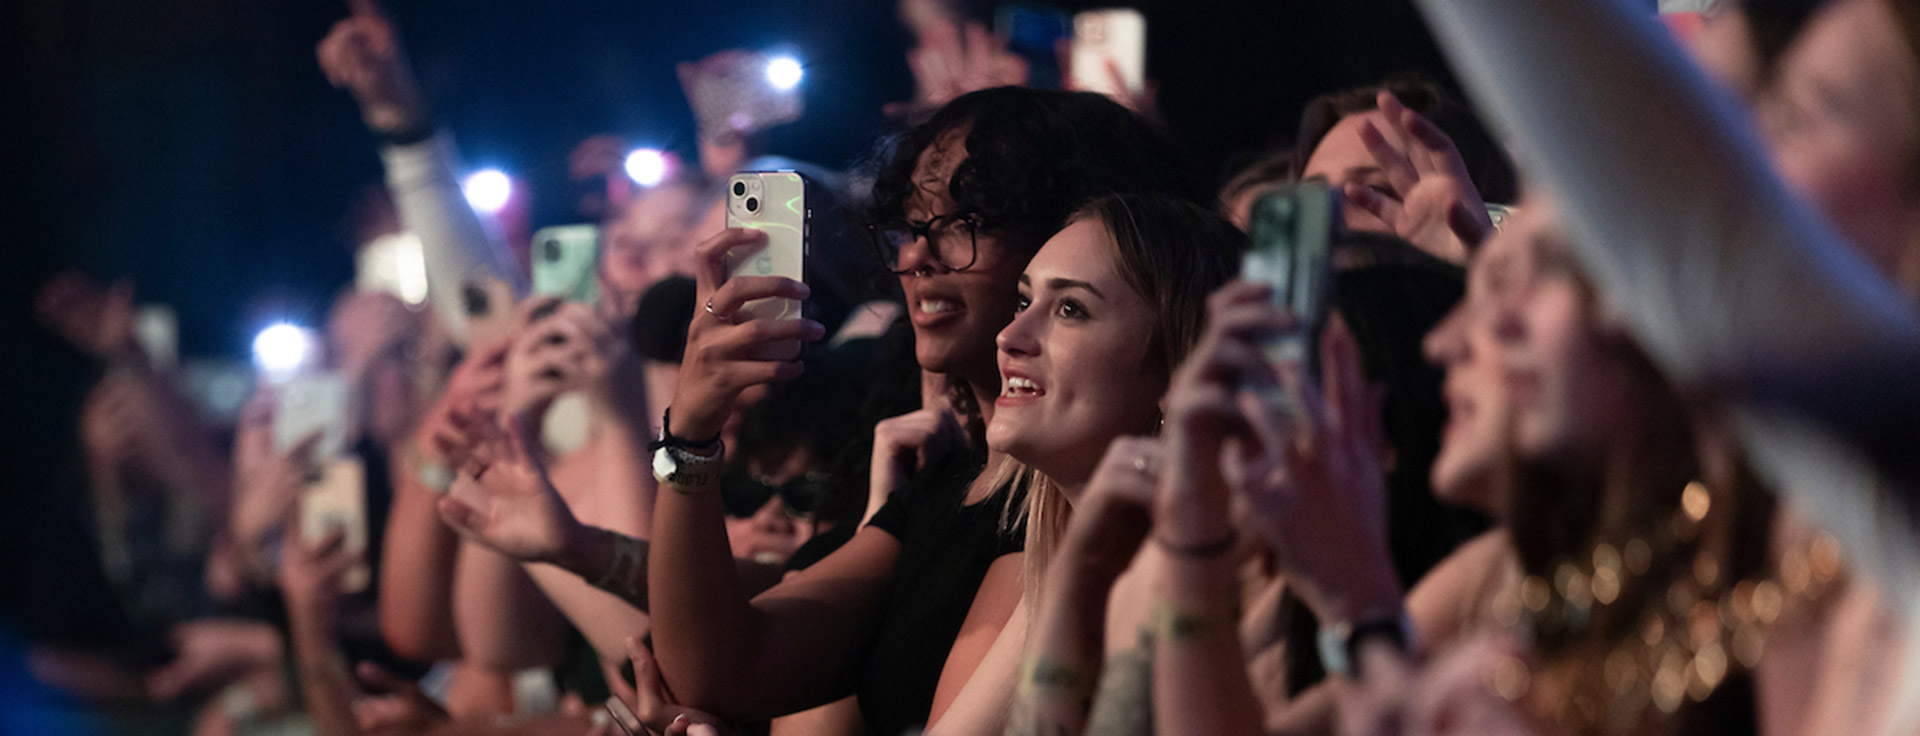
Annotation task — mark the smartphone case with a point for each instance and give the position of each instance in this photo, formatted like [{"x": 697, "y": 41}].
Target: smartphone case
[
  {"x": 339, "y": 499},
  {"x": 1292, "y": 234},
  {"x": 780, "y": 210},
  {"x": 306, "y": 404},
  {"x": 566, "y": 260}
]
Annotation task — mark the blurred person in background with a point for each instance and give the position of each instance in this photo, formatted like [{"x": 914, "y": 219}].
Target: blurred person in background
[{"x": 1414, "y": 181}]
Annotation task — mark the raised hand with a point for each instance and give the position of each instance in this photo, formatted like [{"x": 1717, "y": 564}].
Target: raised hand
[
  {"x": 725, "y": 356},
  {"x": 1205, "y": 421},
  {"x": 266, "y": 481},
  {"x": 476, "y": 387},
  {"x": 502, "y": 498},
  {"x": 1115, "y": 512},
  {"x": 98, "y": 321},
  {"x": 1439, "y": 209},
  {"x": 951, "y": 60},
  {"x": 311, "y": 574},
  {"x": 362, "y": 54},
  {"x": 1326, "y": 512},
  {"x": 906, "y": 443},
  {"x": 561, "y": 347}
]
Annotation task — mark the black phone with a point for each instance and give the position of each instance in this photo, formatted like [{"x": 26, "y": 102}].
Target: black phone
[{"x": 1293, "y": 230}]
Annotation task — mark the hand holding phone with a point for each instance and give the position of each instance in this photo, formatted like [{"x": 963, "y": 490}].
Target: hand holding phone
[{"x": 1109, "y": 53}]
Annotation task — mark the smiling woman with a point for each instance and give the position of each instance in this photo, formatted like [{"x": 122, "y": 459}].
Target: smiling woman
[{"x": 1107, "y": 309}]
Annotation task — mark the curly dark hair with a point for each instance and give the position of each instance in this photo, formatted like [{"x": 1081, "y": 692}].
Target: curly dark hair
[{"x": 1033, "y": 158}]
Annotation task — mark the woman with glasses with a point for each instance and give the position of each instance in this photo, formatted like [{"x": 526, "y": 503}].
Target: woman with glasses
[{"x": 904, "y": 612}]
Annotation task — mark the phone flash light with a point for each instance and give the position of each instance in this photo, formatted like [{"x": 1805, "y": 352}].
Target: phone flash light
[
  {"x": 487, "y": 190},
  {"x": 647, "y": 166},
  {"x": 784, "y": 72},
  {"x": 282, "y": 349}
]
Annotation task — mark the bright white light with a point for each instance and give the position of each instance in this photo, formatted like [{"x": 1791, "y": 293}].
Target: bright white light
[
  {"x": 647, "y": 166},
  {"x": 487, "y": 190},
  {"x": 784, "y": 72},
  {"x": 282, "y": 350}
]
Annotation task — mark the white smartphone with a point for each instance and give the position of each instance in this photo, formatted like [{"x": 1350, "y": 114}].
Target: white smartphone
[
  {"x": 339, "y": 500},
  {"x": 1117, "y": 36},
  {"x": 774, "y": 202},
  {"x": 309, "y": 403}
]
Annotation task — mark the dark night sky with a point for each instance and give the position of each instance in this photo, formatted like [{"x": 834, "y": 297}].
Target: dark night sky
[{"x": 194, "y": 147}]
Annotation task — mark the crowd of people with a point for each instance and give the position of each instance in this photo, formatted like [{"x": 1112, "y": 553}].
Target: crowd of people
[{"x": 1601, "y": 431}]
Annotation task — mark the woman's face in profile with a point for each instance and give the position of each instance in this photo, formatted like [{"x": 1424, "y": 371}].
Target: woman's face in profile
[{"x": 1075, "y": 369}]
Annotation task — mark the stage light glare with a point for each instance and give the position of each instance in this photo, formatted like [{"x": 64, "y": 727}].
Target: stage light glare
[
  {"x": 784, "y": 72},
  {"x": 487, "y": 190},
  {"x": 282, "y": 349},
  {"x": 647, "y": 166}
]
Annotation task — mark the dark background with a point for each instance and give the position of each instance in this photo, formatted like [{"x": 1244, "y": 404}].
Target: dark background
[{"x": 194, "y": 147}]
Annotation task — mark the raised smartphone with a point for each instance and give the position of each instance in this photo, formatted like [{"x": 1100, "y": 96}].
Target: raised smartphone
[
  {"x": 566, "y": 259},
  {"x": 1117, "y": 36},
  {"x": 1292, "y": 234},
  {"x": 308, "y": 404},
  {"x": 338, "y": 499},
  {"x": 731, "y": 94},
  {"x": 774, "y": 202}
]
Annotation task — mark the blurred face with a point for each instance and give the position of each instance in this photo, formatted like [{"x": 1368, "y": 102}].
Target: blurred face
[
  {"x": 1466, "y": 471},
  {"x": 1074, "y": 363},
  {"x": 1844, "y": 127},
  {"x": 1568, "y": 392},
  {"x": 1342, "y": 158},
  {"x": 955, "y": 314},
  {"x": 645, "y": 242},
  {"x": 1724, "y": 48},
  {"x": 774, "y": 531}
]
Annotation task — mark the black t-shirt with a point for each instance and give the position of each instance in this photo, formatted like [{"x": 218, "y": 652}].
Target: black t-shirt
[{"x": 945, "y": 549}]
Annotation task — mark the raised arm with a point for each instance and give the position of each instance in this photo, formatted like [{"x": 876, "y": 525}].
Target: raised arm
[
  {"x": 363, "y": 55},
  {"x": 788, "y": 648}
]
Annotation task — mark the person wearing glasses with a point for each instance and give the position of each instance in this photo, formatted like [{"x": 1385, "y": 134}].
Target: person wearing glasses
[{"x": 903, "y": 613}]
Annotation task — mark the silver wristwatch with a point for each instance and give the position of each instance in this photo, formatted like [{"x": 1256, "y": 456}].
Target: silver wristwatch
[{"x": 688, "y": 471}]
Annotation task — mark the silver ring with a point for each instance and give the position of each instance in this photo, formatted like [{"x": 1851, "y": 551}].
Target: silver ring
[
  {"x": 1142, "y": 464},
  {"x": 727, "y": 318}
]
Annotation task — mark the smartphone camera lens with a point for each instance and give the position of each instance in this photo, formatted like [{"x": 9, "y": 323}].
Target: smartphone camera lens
[
  {"x": 739, "y": 188},
  {"x": 753, "y": 204},
  {"x": 550, "y": 250}
]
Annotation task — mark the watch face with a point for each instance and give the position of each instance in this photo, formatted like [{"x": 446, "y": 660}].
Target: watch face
[{"x": 663, "y": 464}]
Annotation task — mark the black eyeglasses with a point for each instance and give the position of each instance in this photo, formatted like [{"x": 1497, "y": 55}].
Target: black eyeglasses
[
  {"x": 952, "y": 239},
  {"x": 803, "y": 495}
]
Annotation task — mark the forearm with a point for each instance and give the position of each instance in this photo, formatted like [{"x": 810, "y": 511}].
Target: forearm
[
  {"x": 418, "y": 569},
  {"x": 603, "y": 618},
  {"x": 459, "y": 246},
  {"x": 503, "y": 620},
  {"x": 705, "y": 627},
  {"x": 1199, "y": 671},
  {"x": 325, "y": 685},
  {"x": 1062, "y": 667}
]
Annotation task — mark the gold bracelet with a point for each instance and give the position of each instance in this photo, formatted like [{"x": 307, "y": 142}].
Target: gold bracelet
[{"x": 1176, "y": 625}]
